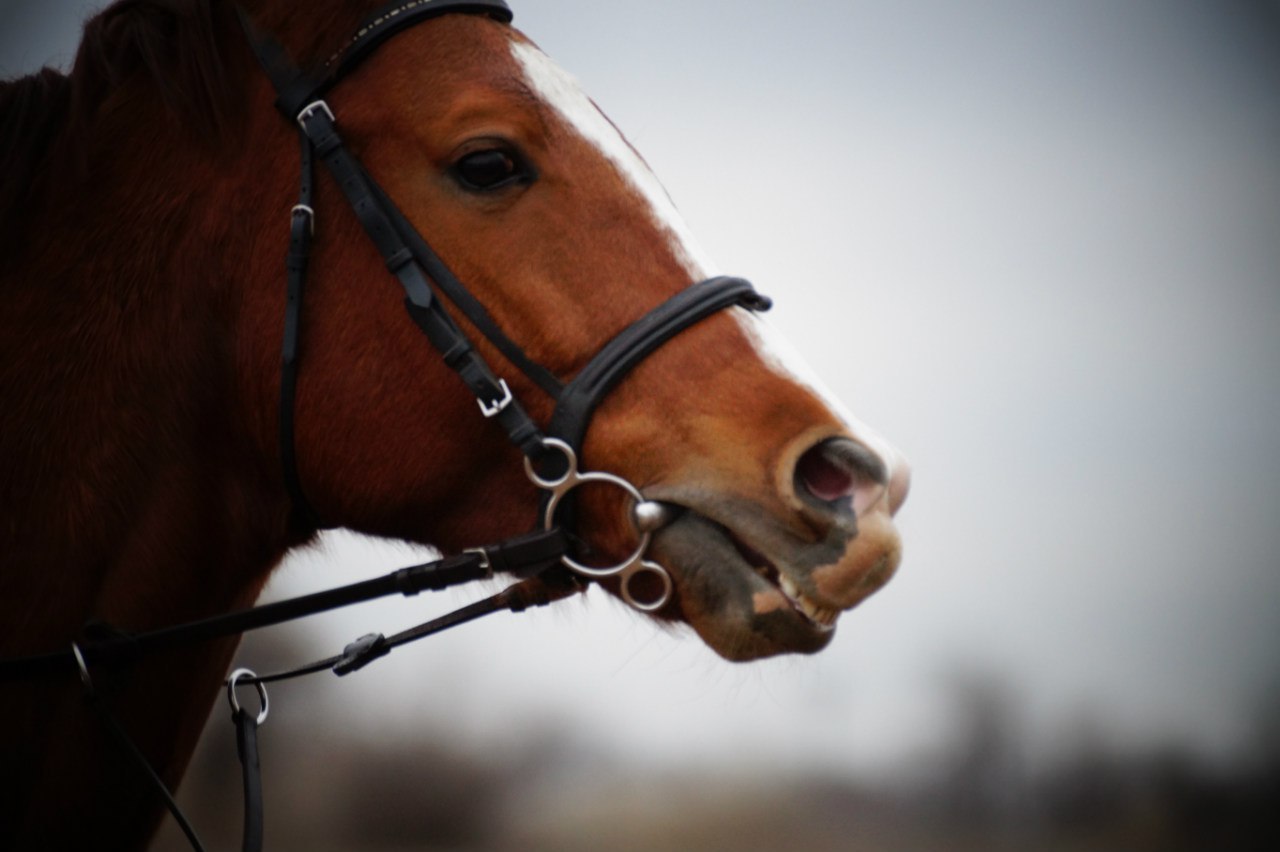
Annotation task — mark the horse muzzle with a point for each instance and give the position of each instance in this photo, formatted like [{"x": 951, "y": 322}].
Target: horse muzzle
[{"x": 759, "y": 575}]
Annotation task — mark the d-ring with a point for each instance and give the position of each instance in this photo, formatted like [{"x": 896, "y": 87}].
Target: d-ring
[{"x": 232, "y": 682}]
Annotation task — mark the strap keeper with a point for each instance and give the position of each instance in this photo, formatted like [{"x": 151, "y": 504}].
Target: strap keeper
[
  {"x": 453, "y": 356},
  {"x": 361, "y": 652},
  {"x": 397, "y": 261}
]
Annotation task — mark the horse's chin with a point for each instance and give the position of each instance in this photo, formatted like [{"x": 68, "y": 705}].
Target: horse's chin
[{"x": 746, "y": 605}]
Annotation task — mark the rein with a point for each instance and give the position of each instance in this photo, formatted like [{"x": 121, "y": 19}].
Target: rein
[{"x": 545, "y": 559}]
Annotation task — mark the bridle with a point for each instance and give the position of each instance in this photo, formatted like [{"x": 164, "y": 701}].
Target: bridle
[
  {"x": 547, "y": 558},
  {"x": 551, "y": 458}
]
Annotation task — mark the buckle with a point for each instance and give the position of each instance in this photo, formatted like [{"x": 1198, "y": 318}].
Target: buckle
[
  {"x": 483, "y": 553},
  {"x": 489, "y": 409},
  {"x": 311, "y": 108}
]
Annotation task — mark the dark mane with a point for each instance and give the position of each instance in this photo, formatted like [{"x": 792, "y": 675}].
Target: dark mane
[
  {"x": 177, "y": 48},
  {"x": 32, "y": 112},
  {"x": 46, "y": 118}
]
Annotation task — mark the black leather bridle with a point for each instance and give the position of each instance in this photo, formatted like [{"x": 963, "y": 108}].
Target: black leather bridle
[{"x": 551, "y": 454}]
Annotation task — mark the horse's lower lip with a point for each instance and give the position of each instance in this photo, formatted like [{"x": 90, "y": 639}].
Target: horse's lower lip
[
  {"x": 822, "y": 618},
  {"x": 755, "y": 564}
]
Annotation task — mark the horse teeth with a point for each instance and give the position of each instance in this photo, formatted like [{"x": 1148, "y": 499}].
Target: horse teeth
[{"x": 822, "y": 616}]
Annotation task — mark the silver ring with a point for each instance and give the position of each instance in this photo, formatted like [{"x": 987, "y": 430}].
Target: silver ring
[
  {"x": 571, "y": 465},
  {"x": 232, "y": 682},
  {"x": 644, "y": 566}
]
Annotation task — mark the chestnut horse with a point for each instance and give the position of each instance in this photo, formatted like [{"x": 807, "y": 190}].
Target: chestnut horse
[{"x": 144, "y": 216}]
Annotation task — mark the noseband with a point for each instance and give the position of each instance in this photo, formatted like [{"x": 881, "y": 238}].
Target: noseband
[{"x": 551, "y": 457}]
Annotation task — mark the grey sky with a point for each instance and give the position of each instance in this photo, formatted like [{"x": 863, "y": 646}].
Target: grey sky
[{"x": 1035, "y": 244}]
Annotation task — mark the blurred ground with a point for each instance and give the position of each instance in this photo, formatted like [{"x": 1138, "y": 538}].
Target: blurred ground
[{"x": 327, "y": 790}]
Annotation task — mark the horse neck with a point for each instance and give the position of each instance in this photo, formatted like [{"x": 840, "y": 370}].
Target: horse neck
[
  {"x": 132, "y": 488},
  {"x": 133, "y": 492}
]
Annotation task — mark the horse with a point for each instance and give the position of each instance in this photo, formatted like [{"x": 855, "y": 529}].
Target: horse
[{"x": 159, "y": 461}]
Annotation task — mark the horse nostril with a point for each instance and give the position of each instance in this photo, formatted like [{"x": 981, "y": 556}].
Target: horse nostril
[
  {"x": 838, "y": 469},
  {"x": 822, "y": 478}
]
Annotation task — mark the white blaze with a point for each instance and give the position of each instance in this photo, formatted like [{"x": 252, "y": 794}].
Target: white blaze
[{"x": 561, "y": 92}]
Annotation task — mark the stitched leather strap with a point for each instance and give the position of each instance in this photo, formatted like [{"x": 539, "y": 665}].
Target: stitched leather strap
[
  {"x": 612, "y": 363},
  {"x": 398, "y": 15},
  {"x": 295, "y": 89}
]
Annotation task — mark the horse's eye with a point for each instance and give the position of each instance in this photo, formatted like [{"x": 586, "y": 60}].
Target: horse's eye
[{"x": 491, "y": 168}]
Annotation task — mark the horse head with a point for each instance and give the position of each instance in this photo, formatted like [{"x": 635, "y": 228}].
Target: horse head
[
  {"x": 777, "y": 504},
  {"x": 160, "y": 461}
]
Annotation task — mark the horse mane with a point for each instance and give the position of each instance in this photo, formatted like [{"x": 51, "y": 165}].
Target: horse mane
[
  {"x": 32, "y": 112},
  {"x": 47, "y": 118}
]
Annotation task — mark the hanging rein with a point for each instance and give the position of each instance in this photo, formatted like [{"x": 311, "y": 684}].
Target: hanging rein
[{"x": 546, "y": 560}]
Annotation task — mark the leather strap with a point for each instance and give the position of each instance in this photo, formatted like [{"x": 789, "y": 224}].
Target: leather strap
[
  {"x": 295, "y": 89},
  {"x": 251, "y": 773},
  {"x": 463, "y": 300},
  {"x": 535, "y": 591},
  {"x": 523, "y": 555},
  {"x": 398, "y": 15},
  {"x": 620, "y": 355},
  {"x": 301, "y": 232}
]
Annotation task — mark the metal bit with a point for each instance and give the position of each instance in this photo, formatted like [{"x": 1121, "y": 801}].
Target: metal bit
[{"x": 650, "y": 516}]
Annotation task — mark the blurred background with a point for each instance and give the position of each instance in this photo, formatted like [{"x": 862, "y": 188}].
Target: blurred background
[{"x": 1034, "y": 244}]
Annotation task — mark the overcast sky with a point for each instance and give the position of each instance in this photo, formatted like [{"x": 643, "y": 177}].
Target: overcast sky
[{"x": 1035, "y": 244}]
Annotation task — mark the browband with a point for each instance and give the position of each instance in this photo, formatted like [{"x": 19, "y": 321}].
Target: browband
[
  {"x": 295, "y": 88},
  {"x": 395, "y": 16}
]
